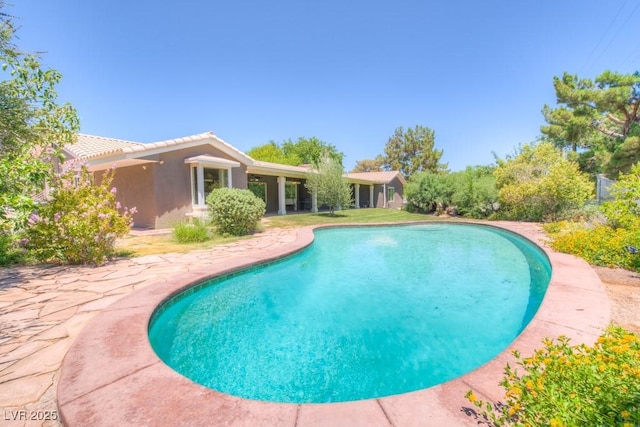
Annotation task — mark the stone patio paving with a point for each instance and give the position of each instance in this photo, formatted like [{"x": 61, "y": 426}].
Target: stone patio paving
[{"x": 43, "y": 309}]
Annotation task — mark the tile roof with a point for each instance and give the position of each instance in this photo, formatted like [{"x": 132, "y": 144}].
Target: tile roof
[{"x": 90, "y": 146}]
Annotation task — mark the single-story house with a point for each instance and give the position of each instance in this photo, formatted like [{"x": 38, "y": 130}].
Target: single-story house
[{"x": 170, "y": 180}]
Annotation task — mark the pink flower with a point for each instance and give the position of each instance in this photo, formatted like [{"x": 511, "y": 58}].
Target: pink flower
[
  {"x": 114, "y": 190},
  {"x": 33, "y": 219}
]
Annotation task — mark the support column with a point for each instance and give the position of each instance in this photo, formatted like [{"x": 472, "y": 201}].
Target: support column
[
  {"x": 200, "y": 181},
  {"x": 371, "y": 203},
  {"x": 229, "y": 180},
  {"x": 282, "y": 208},
  {"x": 314, "y": 201},
  {"x": 356, "y": 190},
  {"x": 384, "y": 195}
]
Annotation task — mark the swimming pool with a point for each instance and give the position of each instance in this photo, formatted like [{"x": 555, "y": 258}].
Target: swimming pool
[{"x": 364, "y": 312}]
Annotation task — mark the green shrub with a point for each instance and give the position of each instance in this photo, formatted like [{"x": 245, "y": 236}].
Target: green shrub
[
  {"x": 235, "y": 211},
  {"x": 429, "y": 192},
  {"x": 476, "y": 195},
  {"x": 565, "y": 385},
  {"x": 191, "y": 232},
  {"x": 539, "y": 184},
  {"x": 624, "y": 210},
  {"x": 10, "y": 252},
  {"x": 81, "y": 223},
  {"x": 600, "y": 245}
]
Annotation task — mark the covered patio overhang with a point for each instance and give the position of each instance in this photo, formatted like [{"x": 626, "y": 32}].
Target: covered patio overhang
[{"x": 284, "y": 174}]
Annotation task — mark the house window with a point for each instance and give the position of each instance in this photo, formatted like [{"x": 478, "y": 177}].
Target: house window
[
  {"x": 291, "y": 194},
  {"x": 391, "y": 192},
  {"x": 213, "y": 178},
  {"x": 259, "y": 189}
]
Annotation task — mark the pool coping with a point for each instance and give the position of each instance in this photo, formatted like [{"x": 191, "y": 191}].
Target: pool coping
[{"x": 111, "y": 375}]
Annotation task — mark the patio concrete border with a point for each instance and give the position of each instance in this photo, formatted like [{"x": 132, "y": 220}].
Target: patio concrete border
[{"x": 111, "y": 375}]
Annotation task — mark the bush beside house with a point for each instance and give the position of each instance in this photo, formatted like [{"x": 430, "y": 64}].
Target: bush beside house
[
  {"x": 81, "y": 223},
  {"x": 234, "y": 211}
]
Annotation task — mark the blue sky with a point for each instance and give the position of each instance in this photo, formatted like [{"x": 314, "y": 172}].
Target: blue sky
[{"x": 348, "y": 72}]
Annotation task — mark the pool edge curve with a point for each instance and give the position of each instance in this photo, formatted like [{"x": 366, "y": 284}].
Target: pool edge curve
[{"x": 111, "y": 373}]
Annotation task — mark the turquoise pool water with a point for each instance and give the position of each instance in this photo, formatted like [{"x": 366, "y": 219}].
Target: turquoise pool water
[{"x": 363, "y": 312}]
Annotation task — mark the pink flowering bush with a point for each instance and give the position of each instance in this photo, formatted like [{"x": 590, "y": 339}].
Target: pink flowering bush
[{"x": 81, "y": 223}]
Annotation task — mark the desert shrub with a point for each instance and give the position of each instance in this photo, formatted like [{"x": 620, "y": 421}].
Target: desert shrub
[
  {"x": 475, "y": 193},
  {"x": 10, "y": 250},
  {"x": 81, "y": 223},
  {"x": 235, "y": 211},
  {"x": 564, "y": 385},
  {"x": 600, "y": 245},
  {"x": 539, "y": 184},
  {"x": 429, "y": 192},
  {"x": 624, "y": 210},
  {"x": 194, "y": 231}
]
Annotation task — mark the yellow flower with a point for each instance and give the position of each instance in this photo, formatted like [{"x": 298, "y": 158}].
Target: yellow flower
[
  {"x": 596, "y": 389},
  {"x": 555, "y": 423},
  {"x": 625, "y": 414},
  {"x": 529, "y": 384},
  {"x": 472, "y": 397}
]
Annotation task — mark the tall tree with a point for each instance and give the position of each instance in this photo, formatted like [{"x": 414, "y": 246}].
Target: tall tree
[
  {"x": 413, "y": 151},
  {"x": 272, "y": 152},
  {"x": 369, "y": 165},
  {"x": 302, "y": 151},
  {"x": 327, "y": 181},
  {"x": 601, "y": 115},
  {"x": 33, "y": 126}
]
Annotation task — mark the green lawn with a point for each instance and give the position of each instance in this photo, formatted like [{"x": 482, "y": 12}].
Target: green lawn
[
  {"x": 351, "y": 216},
  {"x": 132, "y": 245}
]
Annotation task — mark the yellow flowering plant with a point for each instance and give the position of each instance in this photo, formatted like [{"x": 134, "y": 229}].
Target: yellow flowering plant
[{"x": 565, "y": 385}]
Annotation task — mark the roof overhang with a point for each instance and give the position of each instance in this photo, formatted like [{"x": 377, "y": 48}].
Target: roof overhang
[
  {"x": 274, "y": 169},
  {"x": 212, "y": 161}
]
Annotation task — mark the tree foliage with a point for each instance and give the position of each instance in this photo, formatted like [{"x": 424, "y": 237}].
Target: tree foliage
[
  {"x": 598, "y": 115},
  {"x": 302, "y": 151},
  {"x": 331, "y": 188},
  {"x": 33, "y": 126},
  {"x": 369, "y": 165},
  {"x": 540, "y": 184},
  {"x": 412, "y": 151},
  {"x": 272, "y": 152}
]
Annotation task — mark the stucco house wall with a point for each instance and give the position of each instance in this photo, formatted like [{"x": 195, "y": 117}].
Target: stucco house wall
[
  {"x": 398, "y": 199},
  {"x": 134, "y": 185}
]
